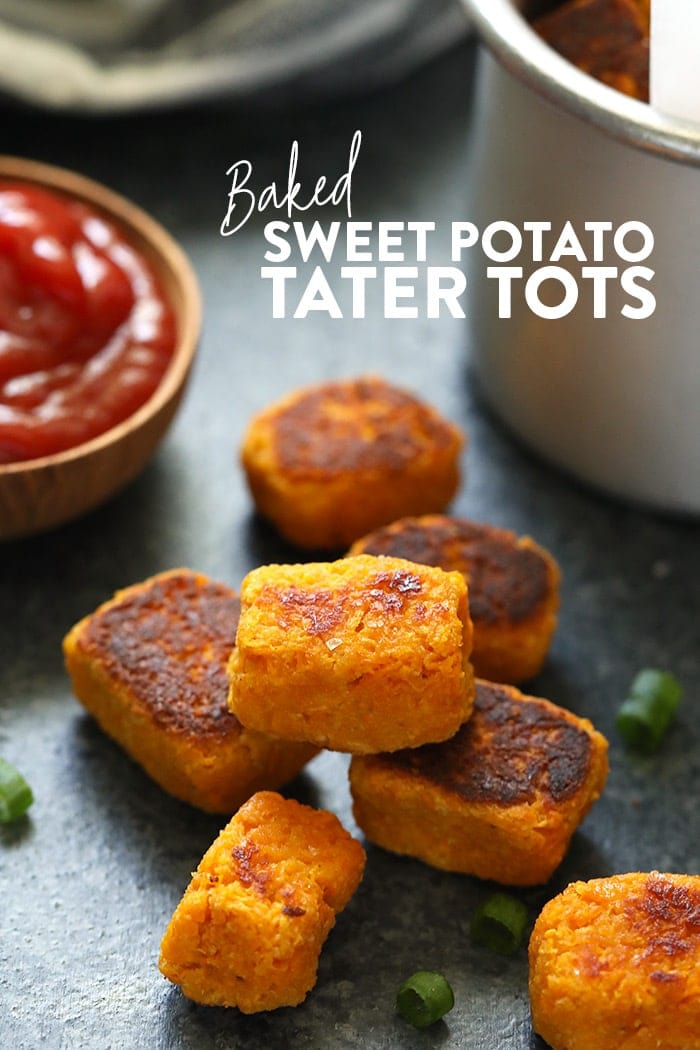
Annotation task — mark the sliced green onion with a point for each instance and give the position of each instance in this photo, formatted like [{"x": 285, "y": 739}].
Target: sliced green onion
[
  {"x": 646, "y": 714},
  {"x": 15, "y": 793},
  {"x": 424, "y": 998},
  {"x": 499, "y": 924}
]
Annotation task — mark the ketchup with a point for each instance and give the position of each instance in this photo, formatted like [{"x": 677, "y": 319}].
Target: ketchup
[{"x": 86, "y": 332}]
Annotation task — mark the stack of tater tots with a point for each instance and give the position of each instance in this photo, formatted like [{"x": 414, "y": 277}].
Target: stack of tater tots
[{"x": 404, "y": 653}]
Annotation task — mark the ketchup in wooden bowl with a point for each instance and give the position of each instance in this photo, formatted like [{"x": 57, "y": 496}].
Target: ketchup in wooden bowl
[
  {"x": 86, "y": 332},
  {"x": 99, "y": 321}
]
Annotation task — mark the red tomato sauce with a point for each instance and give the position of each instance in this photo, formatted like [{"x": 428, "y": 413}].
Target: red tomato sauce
[{"x": 86, "y": 333}]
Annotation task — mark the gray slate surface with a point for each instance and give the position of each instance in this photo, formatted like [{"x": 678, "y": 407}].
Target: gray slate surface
[{"x": 90, "y": 879}]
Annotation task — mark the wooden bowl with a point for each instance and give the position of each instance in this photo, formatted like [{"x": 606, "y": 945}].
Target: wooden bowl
[{"x": 40, "y": 493}]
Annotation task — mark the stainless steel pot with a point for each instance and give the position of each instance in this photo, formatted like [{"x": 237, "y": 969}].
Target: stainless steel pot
[{"x": 614, "y": 400}]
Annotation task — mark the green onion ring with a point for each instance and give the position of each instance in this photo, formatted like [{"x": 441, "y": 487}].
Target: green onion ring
[
  {"x": 15, "y": 793},
  {"x": 424, "y": 998},
  {"x": 499, "y": 924},
  {"x": 646, "y": 714}
]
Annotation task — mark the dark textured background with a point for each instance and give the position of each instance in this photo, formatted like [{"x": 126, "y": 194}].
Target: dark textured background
[{"x": 90, "y": 879}]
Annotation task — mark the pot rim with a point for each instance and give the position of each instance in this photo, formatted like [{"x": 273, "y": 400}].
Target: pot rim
[{"x": 524, "y": 54}]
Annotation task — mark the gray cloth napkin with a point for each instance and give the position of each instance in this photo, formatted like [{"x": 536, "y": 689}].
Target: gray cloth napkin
[{"x": 117, "y": 55}]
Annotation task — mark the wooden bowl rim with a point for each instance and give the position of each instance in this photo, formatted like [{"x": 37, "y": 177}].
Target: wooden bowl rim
[{"x": 165, "y": 255}]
